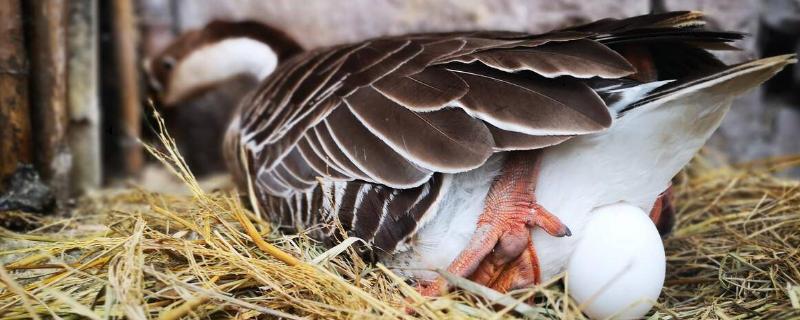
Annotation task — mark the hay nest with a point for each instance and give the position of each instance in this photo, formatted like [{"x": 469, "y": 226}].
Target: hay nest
[{"x": 734, "y": 253}]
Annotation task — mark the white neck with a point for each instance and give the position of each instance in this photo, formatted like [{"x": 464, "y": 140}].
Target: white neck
[{"x": 218, "y": 62}]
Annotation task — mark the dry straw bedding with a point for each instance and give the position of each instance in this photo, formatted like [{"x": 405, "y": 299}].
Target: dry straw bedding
[{"x": 733, "y": 254}]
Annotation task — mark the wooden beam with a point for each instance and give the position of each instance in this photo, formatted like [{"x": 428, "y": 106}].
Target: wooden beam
[
  {"x": 15, "y": 125},
  {"x": 83, "y": 99},
  {"x": 125, "y": 38},
  {"x": 49, "y": 93}
]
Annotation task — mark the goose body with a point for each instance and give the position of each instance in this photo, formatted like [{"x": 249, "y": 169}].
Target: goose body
[{"x": 398, "y": 140}]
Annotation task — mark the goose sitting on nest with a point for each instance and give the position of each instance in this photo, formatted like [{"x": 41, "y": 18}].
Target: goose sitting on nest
[{"x": 482, "y": 153}]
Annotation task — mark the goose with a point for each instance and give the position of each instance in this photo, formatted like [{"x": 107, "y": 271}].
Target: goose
[
  {"x": 191, "y": 109},
  {"x": 476, "y": 152}
]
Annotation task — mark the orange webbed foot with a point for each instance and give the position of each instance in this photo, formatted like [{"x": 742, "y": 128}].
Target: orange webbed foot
[{"x": 500, "y": 254}]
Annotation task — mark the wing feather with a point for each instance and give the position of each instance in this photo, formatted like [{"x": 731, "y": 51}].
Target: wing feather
[
  {"x": 319, "y": 165},
  {"x": 581, "y": 58},
  {"x": 291, "y": 180},
  {"x": 326, "y": 148},
  {"x": 532, "y": 104},
  {"x": 372, "y": 155},
  {"x": 272, "y": 184},
  {"x": 379, "y": 70},
  {"x": 429, "y": 90},
  {"x": 299, "y": 167},
  {"x": 509, "y": 140},
  {"x": 446, "y": 140}
]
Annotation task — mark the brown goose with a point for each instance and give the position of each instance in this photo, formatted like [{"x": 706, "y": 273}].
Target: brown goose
[{"x": 445, "y": 150}]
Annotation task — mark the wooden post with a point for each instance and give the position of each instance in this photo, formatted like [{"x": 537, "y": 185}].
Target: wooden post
[
  {"x": 83, "y": 99},
  {"x": 125, "y": 38},
  {"x": 49, "y": 94},
  {"x": 15, "y": 125}
]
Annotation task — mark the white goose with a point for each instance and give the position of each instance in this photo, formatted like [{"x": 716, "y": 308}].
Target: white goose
[{"x": 446, "y": 150}]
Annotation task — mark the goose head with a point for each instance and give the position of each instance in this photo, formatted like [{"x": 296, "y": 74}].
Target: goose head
[{"x": 200, "y": 60}]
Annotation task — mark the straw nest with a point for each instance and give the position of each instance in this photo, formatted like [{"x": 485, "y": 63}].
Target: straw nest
[{"x": 734, "y": 253}]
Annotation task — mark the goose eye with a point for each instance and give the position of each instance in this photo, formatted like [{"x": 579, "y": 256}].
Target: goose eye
[{"x": 168, "y": 63}]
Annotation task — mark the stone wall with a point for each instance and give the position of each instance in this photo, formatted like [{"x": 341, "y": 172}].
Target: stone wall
[{"x": 760, "y": 125}]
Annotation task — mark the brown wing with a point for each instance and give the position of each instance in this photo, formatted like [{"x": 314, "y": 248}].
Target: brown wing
[
  {"x": 381, "y": 118},
  {"x": 417, "y": 105}
]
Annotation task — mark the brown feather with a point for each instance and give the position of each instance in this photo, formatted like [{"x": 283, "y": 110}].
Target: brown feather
[
  {"x": 580, "y": 58},
  {"x": 318, "y": 164},
  {"x": 509, "y": 140},
  {"x": 323, "y": 142},
  {"x": 284, "y": 139},
  {"x": 483, "y": 41},
  {"x": 347, "y": 207},
  {"x": 379, "y": 70},
  {"x": 299, "y": 167},
  {"x": 405, "y": 211},
  {"x": 373, "y": 156},
  {"x": 675, "y": 19},
  {"x": 368, "y": 212},
  {"x": 291, "y": 180},
  {"x": 429, "y": 90},
  {"x": 432, "y": 50},
  {"x": 264, "y": 101},
  {"x": 271, "y": 183},
  {"x": 334, "y": 151},
  {"x": 374, "y": 52},
  {"x": 290, "y": 103},
  {"x": 531, "y": 104},
  {"x": 446, "y": 140}
]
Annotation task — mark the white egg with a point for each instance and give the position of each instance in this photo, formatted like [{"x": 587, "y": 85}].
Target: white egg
[{"x": 617, "y": 269}]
